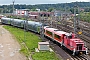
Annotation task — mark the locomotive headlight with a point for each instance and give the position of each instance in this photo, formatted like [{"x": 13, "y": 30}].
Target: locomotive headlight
[{"x": 81, "y": 53}]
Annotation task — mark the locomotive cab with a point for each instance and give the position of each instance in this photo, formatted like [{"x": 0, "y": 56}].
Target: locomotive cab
[
  {"x": 70, "y": 35},
  {"x": 74, "y": 44},
  {"x": 79, "y": 47}
]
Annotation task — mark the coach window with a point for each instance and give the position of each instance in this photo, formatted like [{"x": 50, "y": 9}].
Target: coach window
[
  {"x": 57, "y": 36},
  {"x": 48, "y": 32}
]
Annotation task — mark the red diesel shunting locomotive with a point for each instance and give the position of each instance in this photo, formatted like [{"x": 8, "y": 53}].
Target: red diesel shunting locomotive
[{"x": 68, "y": 40}]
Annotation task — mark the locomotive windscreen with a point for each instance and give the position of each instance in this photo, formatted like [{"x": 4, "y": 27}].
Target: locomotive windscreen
[{"x": 79, "y": 46}]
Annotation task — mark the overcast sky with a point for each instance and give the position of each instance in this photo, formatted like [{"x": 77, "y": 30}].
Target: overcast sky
[{"x": 39, "y": 1}]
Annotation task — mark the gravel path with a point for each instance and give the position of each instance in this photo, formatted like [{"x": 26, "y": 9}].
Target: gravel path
[{"x": 9, "y": 47}]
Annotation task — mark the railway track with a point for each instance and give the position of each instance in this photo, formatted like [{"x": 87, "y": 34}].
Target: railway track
[{"x": 82, "y": 57}]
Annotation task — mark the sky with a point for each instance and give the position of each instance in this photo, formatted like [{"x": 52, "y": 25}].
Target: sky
[{"x": 33, "y": 2}]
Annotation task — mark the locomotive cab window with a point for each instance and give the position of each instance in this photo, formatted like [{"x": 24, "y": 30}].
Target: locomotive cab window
[
  {"x": 79, "y": 46},
  {"x": 70, "y": 36}
]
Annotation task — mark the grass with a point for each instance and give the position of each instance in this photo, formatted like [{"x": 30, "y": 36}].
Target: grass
[
  {"x": 45, "y": 56},
  {"x": 31, "y": 42}
]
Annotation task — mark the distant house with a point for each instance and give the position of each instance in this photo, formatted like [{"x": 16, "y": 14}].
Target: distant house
[
  {"x": 21, "y": 12},
  {"x": 35, "y": 14},
  {"x": 31, "y": 14}
]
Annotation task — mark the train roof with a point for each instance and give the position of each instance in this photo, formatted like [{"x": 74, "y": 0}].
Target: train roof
[
  {"x": 33, "y": 23},
  {"x": 18, "y": 20},
  {"x": 50, "y": 29},
  {"x": 56, "y": 31},
  {"x": 60, "y": 32},
  {"x": 6, "y": 18}
]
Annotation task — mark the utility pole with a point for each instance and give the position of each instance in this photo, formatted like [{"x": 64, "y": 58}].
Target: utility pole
[
  {"x": 26, "y": 15},
  {"x": 13, "y": 11},
  {"x": 13, "y": 6},
  {"x": 42, "y": 28},
  {"x": 78, "y": 22},
  {"x": 25, "y": 24},
  {"x": 4, "y": 10},
  {"x": 75, "y": 19},
  {"x": 65, "y": 11},
  {"x": 78, "y": 15},
  {"x": 61, "y": 16},
  {"x": 52, "y": 19}
]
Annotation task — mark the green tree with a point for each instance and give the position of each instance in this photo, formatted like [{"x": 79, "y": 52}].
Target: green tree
[{"x": 50, "y": 9}]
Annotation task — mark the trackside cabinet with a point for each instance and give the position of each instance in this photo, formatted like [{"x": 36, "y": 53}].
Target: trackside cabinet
[{"x": 43, "y": 45}]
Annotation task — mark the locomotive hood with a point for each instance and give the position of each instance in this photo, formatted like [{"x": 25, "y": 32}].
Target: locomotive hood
[{"x": 77, "y": 41}]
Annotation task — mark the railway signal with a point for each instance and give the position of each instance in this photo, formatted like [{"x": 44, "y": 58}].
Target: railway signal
[{"x": 79, "y": 32}]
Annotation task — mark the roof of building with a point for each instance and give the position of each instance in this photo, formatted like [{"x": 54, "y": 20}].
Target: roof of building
[{"x": 43, "y": 43}]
